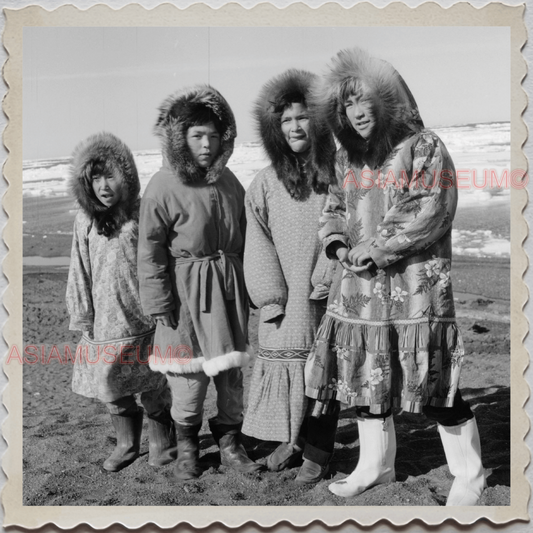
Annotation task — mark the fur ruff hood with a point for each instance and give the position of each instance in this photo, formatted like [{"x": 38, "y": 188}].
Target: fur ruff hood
[
  {"x": 173, "y": 133},
  {"x": 319, "y": 168},
  {"x": 394, "y": 108},
  {"x": 116, "y": 157}
]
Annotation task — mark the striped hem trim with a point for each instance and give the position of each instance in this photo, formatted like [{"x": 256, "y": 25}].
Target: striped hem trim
[
  {"x": 124, "y": 340},
  {"x": 272, "y": 354},
  {"x": 403, "y": 322},
  {"x": 408, "y": 406}
]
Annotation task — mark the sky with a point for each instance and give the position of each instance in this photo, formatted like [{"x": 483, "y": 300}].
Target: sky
[{"x": 78, "y": 81}]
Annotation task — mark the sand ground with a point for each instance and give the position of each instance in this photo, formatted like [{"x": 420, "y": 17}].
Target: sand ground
[{"x": 67, "y": 437}]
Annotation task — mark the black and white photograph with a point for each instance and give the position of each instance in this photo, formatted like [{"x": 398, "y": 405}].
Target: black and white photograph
[{"x": 267, "y": 266}]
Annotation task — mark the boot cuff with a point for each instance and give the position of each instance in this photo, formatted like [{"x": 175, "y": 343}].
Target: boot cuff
[{"x": 316, "y": 455}]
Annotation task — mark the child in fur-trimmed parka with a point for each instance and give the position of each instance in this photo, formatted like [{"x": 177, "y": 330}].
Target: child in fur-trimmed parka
[
  {"x": 389, "y": 337},
  {"x": 192, "y": 229},
  {"x": 103, "y": 302},
  {"x": 287, "y": 274}
]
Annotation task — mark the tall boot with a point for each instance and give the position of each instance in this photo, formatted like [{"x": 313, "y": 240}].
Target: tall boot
[
  {"x": 162, "y": 439},
  {"x": 128, "y": 430},
  {"x": 188, "y": 463},
  {"x": 377, "y": 453},
  {"x": 319, "y": 447},
  {"x": 288, "y": 454},
  {"x": 463, "y": 453},
  {"x": 232, "y": 452},
  {"x": 315, "y": 465}
]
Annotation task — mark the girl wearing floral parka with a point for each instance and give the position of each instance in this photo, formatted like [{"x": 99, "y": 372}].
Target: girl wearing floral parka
[{"x": 389, "y": 336}]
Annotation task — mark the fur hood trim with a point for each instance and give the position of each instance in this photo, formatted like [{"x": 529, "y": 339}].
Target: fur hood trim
[
  {"x": 173, "y": 133},
  {"x": 394, "y": 107},
  {"x": 318, "y": 170},
  {"x": 117, "y": 159}
]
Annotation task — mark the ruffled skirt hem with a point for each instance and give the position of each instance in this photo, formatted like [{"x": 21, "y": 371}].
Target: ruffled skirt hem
[{"x": 407, "y": 365}]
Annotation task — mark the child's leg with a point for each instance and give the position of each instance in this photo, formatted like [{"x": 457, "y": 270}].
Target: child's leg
[
  {"x": 320, "y": 441},
  {"x": 161, "y": 432},
  {"x": 226, "y": 426},
  {"x": 188, "y": 395},
  {"x": 377, "y": 454},
  {"x": 230, "y": 397},
  {"x": 127, "y": 419},
  {"x": 460, "y": 438}
]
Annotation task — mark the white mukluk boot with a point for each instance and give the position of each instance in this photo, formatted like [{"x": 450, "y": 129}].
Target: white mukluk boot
[
  {"x": 377, "y": 453},
  {"x": 463, "y": 453}
]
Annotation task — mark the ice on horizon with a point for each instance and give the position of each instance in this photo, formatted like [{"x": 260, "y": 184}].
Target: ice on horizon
[{"x": 473, "y": 147}]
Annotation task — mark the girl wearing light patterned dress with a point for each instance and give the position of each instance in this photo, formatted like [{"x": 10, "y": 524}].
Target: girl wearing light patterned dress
[
  {"x": 103, "y": 302},
  {"x": 286, "y": 272},
  {"x": 389, "y": 337}
]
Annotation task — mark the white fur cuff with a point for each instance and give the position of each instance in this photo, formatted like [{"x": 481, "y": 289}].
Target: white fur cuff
[
  {"x": 177, "y": 366},
  {"x": 225, "y": 362}
]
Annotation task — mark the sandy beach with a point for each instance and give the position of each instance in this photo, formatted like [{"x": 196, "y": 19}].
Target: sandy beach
[{"x": 67, "y": 437}]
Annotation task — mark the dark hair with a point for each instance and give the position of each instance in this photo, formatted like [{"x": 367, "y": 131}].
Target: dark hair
[
  {"x": 353, "y": 86},
  {"x": 106, "y": 220},
  {"x": 196, "y": 114},
  {"x": 287, "y": 100}
]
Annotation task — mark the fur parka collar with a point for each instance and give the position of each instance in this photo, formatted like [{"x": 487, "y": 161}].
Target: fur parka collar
[
  {"x": 116, "y": 157},
  {"x": 173, "y": 133},
  {"x": 318, "y": 170},
  {"x": 394, "y": 107}
]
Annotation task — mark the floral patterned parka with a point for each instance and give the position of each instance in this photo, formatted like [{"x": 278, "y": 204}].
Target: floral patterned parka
[
  {"x": 389, "y": 337},
  {"x": 102, "y": 293}
]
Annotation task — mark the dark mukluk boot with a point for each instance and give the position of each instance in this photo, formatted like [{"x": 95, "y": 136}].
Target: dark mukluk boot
[
  {"x": 128, "y": 430},
  {"x": 162, "y": 439},
  {"x": 188, "y": 462},
  {"x": 232, "y": 452},
  {"x": 315, "y": 466}
]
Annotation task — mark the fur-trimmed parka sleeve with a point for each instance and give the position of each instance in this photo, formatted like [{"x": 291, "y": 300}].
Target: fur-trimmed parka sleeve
[
  {"x": 333, "y": 227},
  {"x": 422, "y": 210},
  {"x": 152, "y": 260},
  {"x": 79, "y": 284},
  {"x": 264, "y": 278}
]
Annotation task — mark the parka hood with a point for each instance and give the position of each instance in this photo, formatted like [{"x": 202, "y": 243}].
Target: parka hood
[
  {"x": 318, "y": 170},
  {"x": 172, "y": 131},
  {"x": 107, "y": 150},
  {"x": 394, "y": 108}
]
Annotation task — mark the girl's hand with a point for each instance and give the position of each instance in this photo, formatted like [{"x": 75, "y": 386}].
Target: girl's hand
[
  {"x": 344, "y": 259},
  {"x": 167, "y": 319},
  {"x": 360, "y": 258}
]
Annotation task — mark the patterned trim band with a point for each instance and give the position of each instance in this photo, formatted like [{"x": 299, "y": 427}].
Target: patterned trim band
[
  {"x": 282, "y": 355},
  {"x": 404, "y": 322}
]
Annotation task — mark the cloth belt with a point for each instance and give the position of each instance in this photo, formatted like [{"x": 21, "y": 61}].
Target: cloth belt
[{"x": 205, "y": 270}]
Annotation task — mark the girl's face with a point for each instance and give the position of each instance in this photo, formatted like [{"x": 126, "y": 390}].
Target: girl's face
[
  {"x": 204, "y": 144},
  {"x": 108, "y": 188},
  {"x": 359, "y": 112},
  {"x": 295, "y": 127}
]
